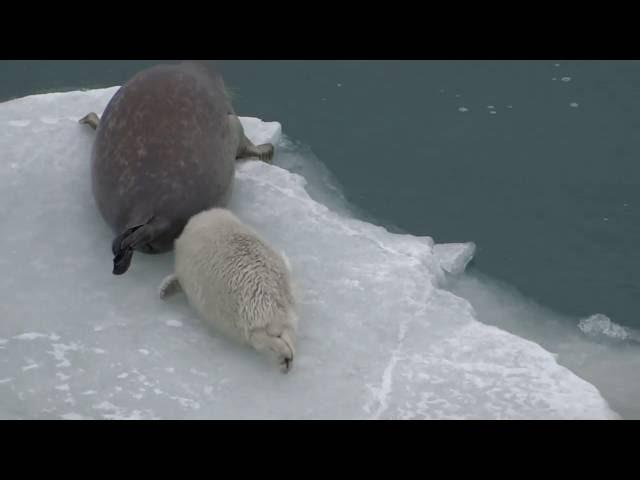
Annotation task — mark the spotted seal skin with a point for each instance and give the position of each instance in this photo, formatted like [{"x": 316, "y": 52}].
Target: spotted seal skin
[{"x": 165, "y": 150}]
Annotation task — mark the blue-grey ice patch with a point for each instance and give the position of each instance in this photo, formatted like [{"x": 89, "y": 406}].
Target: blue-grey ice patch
[{"x": 378, "y": 338}]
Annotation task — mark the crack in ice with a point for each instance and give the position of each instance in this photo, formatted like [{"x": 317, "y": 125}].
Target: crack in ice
[{"x": 382, "y": 393}]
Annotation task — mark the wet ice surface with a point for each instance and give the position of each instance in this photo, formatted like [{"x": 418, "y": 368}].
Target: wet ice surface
[
  {"x": 378, "y": 338},
  {"x": 595, "y": 347}
]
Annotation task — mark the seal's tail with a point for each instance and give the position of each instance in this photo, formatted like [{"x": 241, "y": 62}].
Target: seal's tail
[{"x": 125, "y": 243}]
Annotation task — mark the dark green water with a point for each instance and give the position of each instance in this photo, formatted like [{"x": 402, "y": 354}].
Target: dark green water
[{"x": 549, "y": 191}]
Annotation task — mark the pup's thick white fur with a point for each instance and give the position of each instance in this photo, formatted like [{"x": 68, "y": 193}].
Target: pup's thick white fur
[{"x": 237, "y": 282}]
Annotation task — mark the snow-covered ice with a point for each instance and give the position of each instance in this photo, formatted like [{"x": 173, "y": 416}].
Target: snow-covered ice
[{"x": 378, "y": 337}]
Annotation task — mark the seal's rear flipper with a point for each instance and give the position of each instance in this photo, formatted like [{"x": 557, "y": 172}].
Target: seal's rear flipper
[
  {"x": 90, "y": 119},
  {"x": 122, "y": 261},
  {"x": 125, "y": 243}
]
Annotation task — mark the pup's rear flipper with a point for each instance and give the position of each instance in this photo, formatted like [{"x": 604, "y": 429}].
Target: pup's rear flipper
[
  {"x": 169, "y": 286},
  {"x": 125, "y": 243}
]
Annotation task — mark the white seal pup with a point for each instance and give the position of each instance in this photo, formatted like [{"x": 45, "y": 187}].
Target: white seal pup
[{"x": 236, "y": 282}]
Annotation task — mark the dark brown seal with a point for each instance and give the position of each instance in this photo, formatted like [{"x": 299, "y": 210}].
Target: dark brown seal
[{"x": 165, "y": 150}]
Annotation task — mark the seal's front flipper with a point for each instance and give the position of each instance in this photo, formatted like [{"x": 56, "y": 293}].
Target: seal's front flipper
[
  {"x": 90, "y": 119},
  {"x": 264, "y": 152},
  {"x": 125, "y": 243},
  {"x": 246, "y": 148}
]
